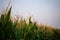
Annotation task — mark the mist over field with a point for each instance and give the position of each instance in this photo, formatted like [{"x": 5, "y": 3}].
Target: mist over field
[{"x": 43, "y": 11}]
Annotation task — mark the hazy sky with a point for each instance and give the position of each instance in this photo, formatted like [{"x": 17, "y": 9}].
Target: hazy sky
[{"x": 43, "y": 11}]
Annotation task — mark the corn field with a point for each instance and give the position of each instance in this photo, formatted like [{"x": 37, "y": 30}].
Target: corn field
[{"x": 25, "y": 31}]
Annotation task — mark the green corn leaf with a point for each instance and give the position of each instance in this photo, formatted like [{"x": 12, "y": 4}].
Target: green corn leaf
[
  {"x": 8, "y": 16},
  {"x": 2, "y": 20}
]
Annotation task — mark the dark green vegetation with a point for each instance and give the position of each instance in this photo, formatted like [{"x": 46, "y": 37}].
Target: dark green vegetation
[{"x": 25, "y": 31}]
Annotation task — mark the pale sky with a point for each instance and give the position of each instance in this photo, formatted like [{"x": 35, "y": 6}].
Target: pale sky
[{"x": 43, "y": 11}]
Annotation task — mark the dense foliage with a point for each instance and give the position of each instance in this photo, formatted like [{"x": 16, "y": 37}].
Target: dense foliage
[{"x": 25, "y": 31}]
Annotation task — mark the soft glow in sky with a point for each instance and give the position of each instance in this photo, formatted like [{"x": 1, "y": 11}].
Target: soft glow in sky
[{"x": 43, "y": 11}]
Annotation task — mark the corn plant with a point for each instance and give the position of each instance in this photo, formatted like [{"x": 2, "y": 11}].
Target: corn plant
[
  {"x": 21, "y": 30},
  {"x": 6, "y": 27}
]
